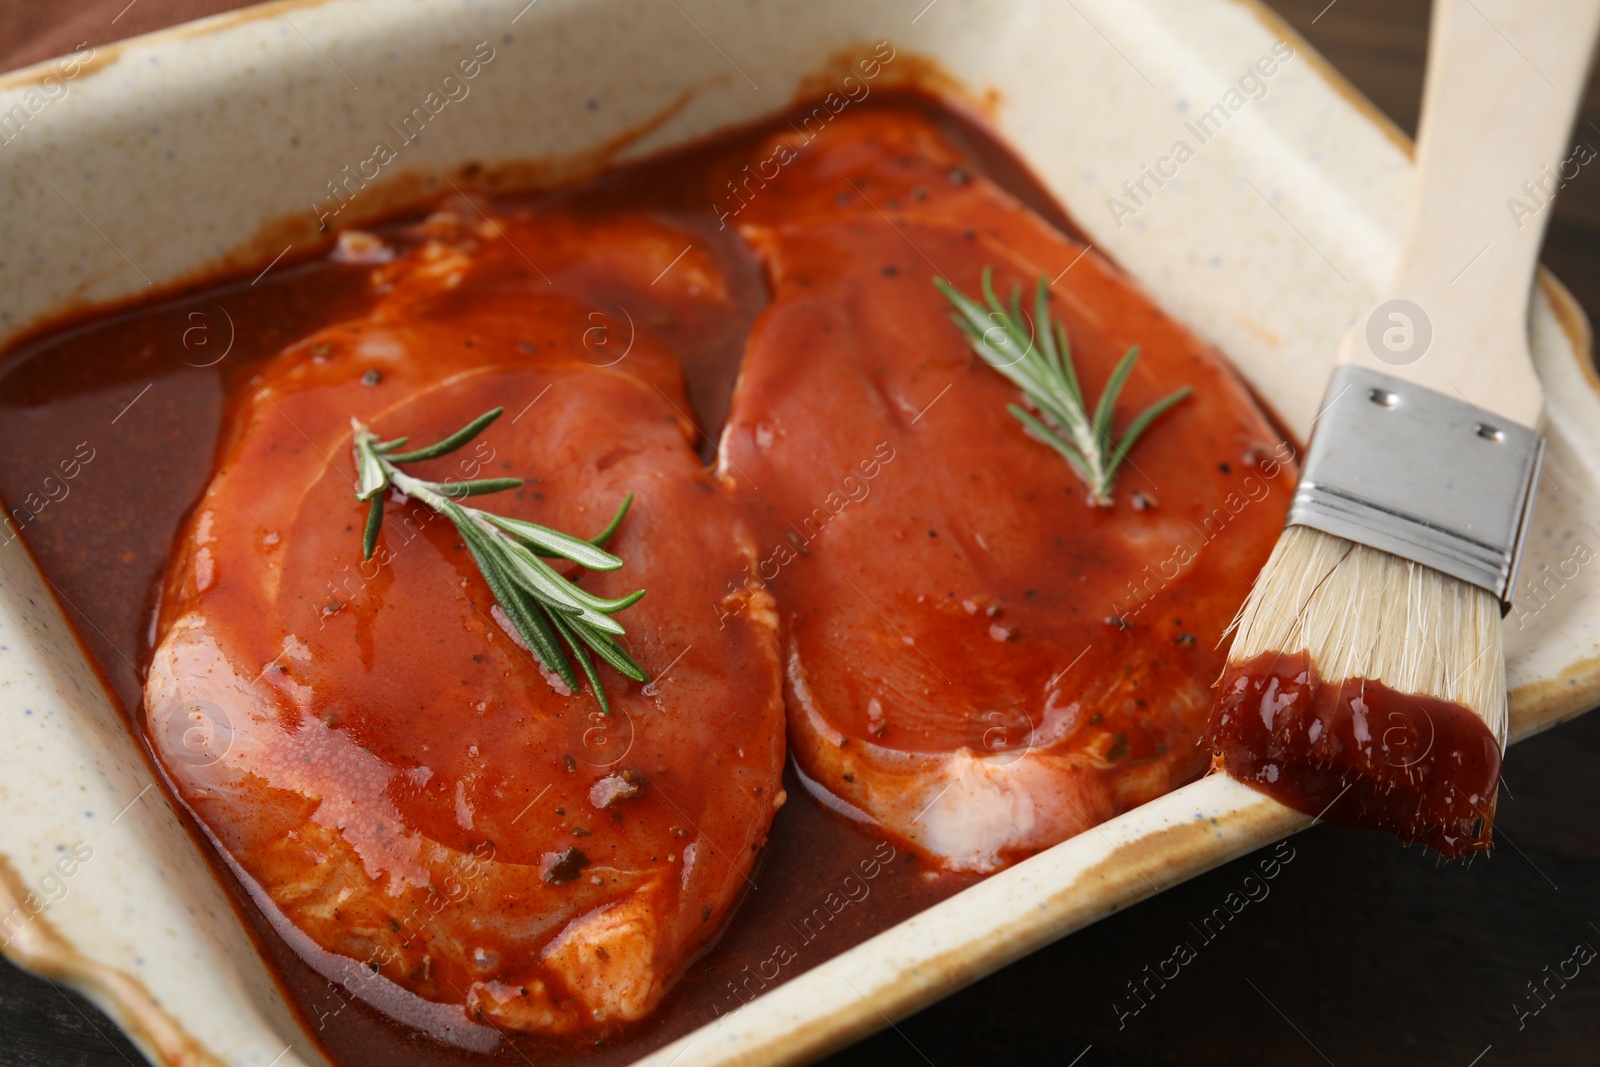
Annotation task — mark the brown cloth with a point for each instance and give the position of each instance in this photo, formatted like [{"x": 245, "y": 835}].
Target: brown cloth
[{"x": 35, "y": 30}]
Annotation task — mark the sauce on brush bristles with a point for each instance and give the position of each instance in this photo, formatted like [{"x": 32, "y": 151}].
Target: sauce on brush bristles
[{"x": 1368, "y": 690}]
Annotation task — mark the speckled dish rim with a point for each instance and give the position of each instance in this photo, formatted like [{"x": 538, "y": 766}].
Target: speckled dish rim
[{"x": 211, "y": 1006}]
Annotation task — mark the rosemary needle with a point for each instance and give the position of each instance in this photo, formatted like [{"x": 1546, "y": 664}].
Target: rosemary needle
[
  {"x": 1045, "y": 373},
  {"x": 546, "y": 609}
]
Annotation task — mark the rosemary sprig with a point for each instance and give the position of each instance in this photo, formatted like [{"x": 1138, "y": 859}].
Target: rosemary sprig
[
  {"x": 544, "y": 606},
  {"x": 1045, "y": 374}
]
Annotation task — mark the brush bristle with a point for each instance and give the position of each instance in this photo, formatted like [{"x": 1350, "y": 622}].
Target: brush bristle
[{"x": 1358, "y": 612}]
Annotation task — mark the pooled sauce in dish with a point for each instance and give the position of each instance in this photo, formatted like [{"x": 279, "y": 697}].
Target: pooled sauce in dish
[
  {"x": 639, "y": 292},
  {"x": 1358, "y": 753}
]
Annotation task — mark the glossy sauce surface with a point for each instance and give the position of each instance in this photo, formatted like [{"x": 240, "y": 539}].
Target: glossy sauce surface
[
  {"x": 975, "y": 657},
  {"x": 1358, "y": 753},
  {"x": 823, "y": 884},
  {"x": 422, "y": 808}
]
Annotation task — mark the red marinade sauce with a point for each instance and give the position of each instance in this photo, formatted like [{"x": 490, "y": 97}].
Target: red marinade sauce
[{"x": 1357, "y": 753}]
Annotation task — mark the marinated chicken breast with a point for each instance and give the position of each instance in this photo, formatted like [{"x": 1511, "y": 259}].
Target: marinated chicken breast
[
  {"x": 976, "y": 660},
  {"x": 426, "y": 814}
]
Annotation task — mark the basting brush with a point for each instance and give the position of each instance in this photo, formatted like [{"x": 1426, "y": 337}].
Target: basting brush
[{"x": 1366, "y": 680}]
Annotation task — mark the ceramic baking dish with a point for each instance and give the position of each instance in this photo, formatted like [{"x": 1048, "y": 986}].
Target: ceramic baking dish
[{"x": 213, "y": 147}]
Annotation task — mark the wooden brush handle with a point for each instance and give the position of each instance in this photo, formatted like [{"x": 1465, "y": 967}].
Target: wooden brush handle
[{"x": 1503, "y": 81}]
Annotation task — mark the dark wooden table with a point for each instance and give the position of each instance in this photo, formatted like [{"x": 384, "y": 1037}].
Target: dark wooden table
[{"x": 1363, "y": 953}]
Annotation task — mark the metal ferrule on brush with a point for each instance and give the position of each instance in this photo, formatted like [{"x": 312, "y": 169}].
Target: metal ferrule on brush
[{"x": 1421, "y": 475}]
